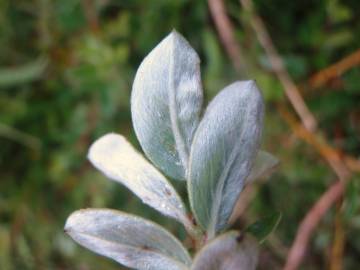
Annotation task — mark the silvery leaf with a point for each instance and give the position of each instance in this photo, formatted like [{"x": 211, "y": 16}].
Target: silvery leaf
[
  {"x": 222, "y": 154},
  {"x": 230, "y": 251},
  {"x": 263, "y": 165},
  {"x": 127, "y": 239},
  {"x": 166, "y": 103},
  {"x": 117, "y": 159}
]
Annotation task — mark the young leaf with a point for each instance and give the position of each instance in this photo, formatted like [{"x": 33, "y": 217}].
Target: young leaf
[
  {"x": 222, "y": 153},
  {"x": 166, "y": 102},
  {"x": 230, "y": 251},
  {"x": 117, "y": 159},
  {"x": 263, "y": 227},
  {"x": 127, "y": 239},
  {"x": 264, "y": 164}
]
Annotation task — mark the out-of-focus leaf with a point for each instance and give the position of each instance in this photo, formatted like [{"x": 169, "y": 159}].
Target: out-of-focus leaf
[
  {"x": 69, "y": 15},
  {"x": 19, "y": 136},
  {"x": 117, "y": 159},
  {"x": 222, "y": 153},
  {"x": 263, "y": 227},
  {"x": 127, "y": 239},
  {"x": 264, "y": 164},
  {"x": 230, "y": 251},
  {"x": 22, "y": 74},
  {"x": 5, "y": 247},
  {"x": 338, "y": 39},
  {"x": 351, "y": 81},
  {"x": 352, "y": 201},
  {"x": 270, "y": 86},
  {"x": 338, "y": 12},
  {"x": 296, "y": 65},
  {"x": 166, "y": 102}
]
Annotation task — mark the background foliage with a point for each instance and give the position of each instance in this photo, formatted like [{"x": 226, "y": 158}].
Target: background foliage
[{"x": 66, "y": 71}]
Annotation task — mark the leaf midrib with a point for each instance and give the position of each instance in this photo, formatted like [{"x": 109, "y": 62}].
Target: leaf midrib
[
  {"x": 219, "y": 187},
  {"x": 178, "y": 136},
  {"x": 149, "y": 249}
]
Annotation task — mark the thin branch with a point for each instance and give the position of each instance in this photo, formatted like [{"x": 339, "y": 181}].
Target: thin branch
[
  {"x": 352, "y": 163},
  {"x": 337, "y": 251},
  {"x": 20, "y": 136},
  {"x": 310, "y": 222},
  {"x": 290, "y": 88},
  {"x": 226, "y": 33},
  {"x": 330, "y": 154},
  {"x": 304, "y": 131},
  {"x": 308, "y": 121},
  {"x": 91, "y": 15},
  {"x": 335, "y": 70}
]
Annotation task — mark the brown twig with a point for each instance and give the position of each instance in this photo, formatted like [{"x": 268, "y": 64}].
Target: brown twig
[
  {"x": 304, "y": 131},
  {"x": 330, "y": 154},
  {"x": 352, "y": 163},
  {"x": 91, "y": 15},
  {"x": 290, "y": 88},
  {"x": 337, "y": 251},
  {"x": 310, "y": 222},
  {"x": 333, "y": 157},
  {"x": 335, "y": 70},
  {"x": 226, "y": 33}
]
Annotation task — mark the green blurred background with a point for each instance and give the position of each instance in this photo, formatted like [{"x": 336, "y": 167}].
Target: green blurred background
[{"x": 66, "y": 71}]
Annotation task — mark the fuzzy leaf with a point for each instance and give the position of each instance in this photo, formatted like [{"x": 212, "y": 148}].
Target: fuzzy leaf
[
  {"x": 166, "y": 103},
  {"x": 229, "y": 251},
  {"x": 263, "y": 165},
  {"x": 262, "y": 228},
  {"x": 117, "y": 159},
  {"x": 127, "y": 239},
  {"x": 222, "y": 153}
]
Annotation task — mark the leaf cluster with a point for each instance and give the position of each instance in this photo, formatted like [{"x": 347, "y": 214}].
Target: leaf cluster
[{"x": 216, "y": 153}]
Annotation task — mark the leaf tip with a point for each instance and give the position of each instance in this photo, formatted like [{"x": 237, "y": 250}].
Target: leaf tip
[
  {"x": 73, "y": 221},
  {"x": 176, "y": 38},
  {"x": 68, "y": 223},
  {"x": 249, "y": 85},
  {"x": 102, "y": 145}
]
